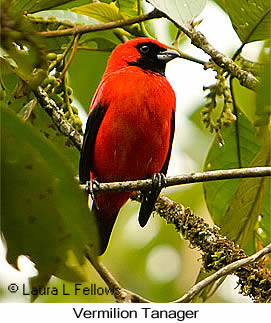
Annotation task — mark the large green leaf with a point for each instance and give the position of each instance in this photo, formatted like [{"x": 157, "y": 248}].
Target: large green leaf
[
  {"x": 180, "y": 11},
  {"x": 250, "y": 18},
  {"x": 246, "y": 205},
  {"x": 44, "y": 215},
  {"x": 219, "y": 194},
  {"x": 236, "y": 204}
]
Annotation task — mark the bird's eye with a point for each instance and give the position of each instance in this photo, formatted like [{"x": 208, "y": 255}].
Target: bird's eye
[{"x": 144, "y": 49}]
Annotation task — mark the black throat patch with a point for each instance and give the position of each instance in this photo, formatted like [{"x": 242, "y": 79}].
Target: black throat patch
[{"x": 149, "y": 60}]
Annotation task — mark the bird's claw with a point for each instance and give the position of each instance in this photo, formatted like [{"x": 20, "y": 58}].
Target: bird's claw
[
  {"x": 159, "y": 181},
  {"x": 92, "y": 187}
]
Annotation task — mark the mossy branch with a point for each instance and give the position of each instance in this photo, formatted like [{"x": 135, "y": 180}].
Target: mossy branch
[{"x": 217, "y": 251}]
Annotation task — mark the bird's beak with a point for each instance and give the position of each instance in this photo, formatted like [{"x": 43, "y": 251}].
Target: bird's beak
[{"x": 167, "y": 55}]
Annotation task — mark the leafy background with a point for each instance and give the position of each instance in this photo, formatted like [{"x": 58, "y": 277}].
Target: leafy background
[{"x": 40, "y": 194}]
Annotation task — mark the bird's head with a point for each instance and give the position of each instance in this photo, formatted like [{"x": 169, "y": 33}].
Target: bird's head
[{"x": 146, "y": 53}]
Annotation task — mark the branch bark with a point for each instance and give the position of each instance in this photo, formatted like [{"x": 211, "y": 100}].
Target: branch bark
[
  {"x": 181, "y": 179},
  {"x": 105, "y": 26}
]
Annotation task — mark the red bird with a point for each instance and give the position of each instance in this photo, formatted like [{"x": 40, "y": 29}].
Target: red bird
[{"x": 130, "y": 127}]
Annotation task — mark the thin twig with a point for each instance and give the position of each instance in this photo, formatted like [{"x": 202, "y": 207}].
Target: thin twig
[
  {"x": 105, "y": 274},
  {"x": 183, "y": 179},
  {"x": 189, "y": 57},
  {"x": 74, "y": 49},
  {"x": 121, "y": 294},
  {"x": 196, "y": 289}
]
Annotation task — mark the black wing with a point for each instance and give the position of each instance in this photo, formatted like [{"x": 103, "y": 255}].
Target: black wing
[
  {"x": 86, "y": 157},
  {"x": 150, "y": 197}
]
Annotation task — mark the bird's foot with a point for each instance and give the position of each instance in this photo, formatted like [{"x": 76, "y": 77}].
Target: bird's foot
[
  {"x": 159, "y": 181},
  {"x": 92, "y": 187}
]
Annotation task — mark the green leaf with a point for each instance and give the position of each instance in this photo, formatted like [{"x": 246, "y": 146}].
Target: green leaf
[
  {"x": 33, "y": 5},
  {"x": 246, "y": 205},
  {"x": 250, "y": 19},
  {"x": 128, "y": 7},
  {"x": 182, "y": 12},
  {"x": 101, "y": 11},
  {"x": 44, "y": 214},
  {"x": 219, "y": 194}
]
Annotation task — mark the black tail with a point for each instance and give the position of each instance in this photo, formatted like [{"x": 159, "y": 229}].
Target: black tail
[
  {"x": 147, "y": 205},
  {"x": 105, "y": 226}
]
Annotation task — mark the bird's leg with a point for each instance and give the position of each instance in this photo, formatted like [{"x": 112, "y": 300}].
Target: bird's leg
[
  {"x": 158, "y": 181},
  {"x": 93, "y": 186}
]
